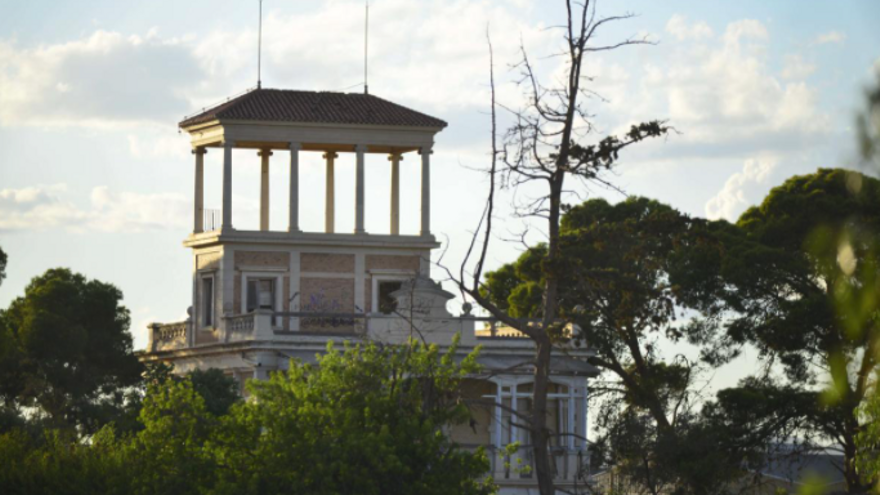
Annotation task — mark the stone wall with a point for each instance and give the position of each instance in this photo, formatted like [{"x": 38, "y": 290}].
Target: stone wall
[{"x": 326, "y": 263}]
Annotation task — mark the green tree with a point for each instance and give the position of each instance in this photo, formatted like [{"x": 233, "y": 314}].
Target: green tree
[
  {"x": 170, "y": 454},
  {"x": 631, "y": 271},
  {"x": 66, "y": 353},
  {"x": 368, "y": 420},
  {"x": 3, "y": 259},
  {"x": 808, "y": 294},
  {"x": 868, "y": 440}
]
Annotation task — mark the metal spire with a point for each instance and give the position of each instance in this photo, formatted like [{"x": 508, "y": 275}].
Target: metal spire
[
  {"x": 260, "y": 48},
  {"x": 366, "y": 46}
]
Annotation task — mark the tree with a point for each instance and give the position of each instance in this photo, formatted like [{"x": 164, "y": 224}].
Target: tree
[
  {"x": 630, "y": 270},
  {"x": 868, "y": 440},
  {"x": 3, "y": 259},
  {"x": 66, "y": 351},
  {"x": 368, "y": 420},
  {"x": 808, "y": 294},
  {"x": 868, "y": 124},
  {"x": 546, "y": 145}
]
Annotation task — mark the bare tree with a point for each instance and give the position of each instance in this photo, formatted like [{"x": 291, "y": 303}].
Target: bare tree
[{"x": 542, "y": 146}]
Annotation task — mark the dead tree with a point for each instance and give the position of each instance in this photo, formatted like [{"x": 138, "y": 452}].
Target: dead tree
[{"x": 544, "y": 146}]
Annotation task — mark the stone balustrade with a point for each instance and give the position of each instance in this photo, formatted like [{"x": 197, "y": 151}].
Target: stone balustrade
[{"x": 168, "y": 336}]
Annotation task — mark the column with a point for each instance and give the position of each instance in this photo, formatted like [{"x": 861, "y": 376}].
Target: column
[
  {"x": 264, "y": 188},
  {"x": 330, "y": 193},
  {"x": 359, "y": 190},
  {"x": 425, "y": 151},
  {"x": 293, "y": 206},
  {"x": 395, "y": 159},
  {"x": 227, "y": 185},
  {"x": 199, "y": 196}
]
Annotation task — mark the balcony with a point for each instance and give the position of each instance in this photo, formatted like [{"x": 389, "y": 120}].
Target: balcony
[{"x": 263, "y": 325}]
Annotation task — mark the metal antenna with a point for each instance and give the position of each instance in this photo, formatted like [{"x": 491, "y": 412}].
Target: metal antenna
[
  {"x": 260, "y": 48},
  {"x": 366, "y": 46}
]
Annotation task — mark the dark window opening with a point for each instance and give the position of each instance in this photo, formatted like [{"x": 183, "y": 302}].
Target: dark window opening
[
  {"x": 388, "y": 304},
  {"x": 260, "y": 294},
  {"x": 207, "y": 302}
]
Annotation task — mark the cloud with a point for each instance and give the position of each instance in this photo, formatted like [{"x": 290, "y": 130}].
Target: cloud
[
  {"x": 678, "y": 27},
  {"x": 725, "y": 97},
  {"x": 738, "y": 192},
  {"x": 830, "y": 37},
  {"x": 796, "y": 67},
  {"x": 102, "y": 80},
  {"x": 43, "y": 207}
]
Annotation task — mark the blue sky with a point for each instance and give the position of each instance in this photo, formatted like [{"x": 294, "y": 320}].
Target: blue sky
[{"x": 95, "y": 176}]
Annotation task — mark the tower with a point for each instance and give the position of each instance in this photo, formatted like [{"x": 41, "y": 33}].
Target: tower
[{"x": 237, "y": 271}]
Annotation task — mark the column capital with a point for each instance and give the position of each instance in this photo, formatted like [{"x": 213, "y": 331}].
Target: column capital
[
  {"x": 266, "y": 152},
  {"x": 395, "y": 156},
  {"x": 360, "y": 148},
  {"x": 200, "y": 150},
  {"x": 228, "y": 143},
  {"x": 426, "y": 150},
  {"x": 330, "y": 155},
  {"x": 293, "y": 146}
]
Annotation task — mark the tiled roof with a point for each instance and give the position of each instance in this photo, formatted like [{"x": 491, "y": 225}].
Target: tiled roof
[{"x": 281, "y": 105}]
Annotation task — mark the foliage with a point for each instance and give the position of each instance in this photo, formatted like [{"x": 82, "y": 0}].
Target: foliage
[
  {"x": 3, "y": 259},
  {"x": 868, "y": 124},
  {"x": 65, "y": 350},
  {"x": 368, "y": 419},
  {"x": 629, "y": 272},
  {"x": 868, "y": 441},
  {"x": 808, "y": 294}
]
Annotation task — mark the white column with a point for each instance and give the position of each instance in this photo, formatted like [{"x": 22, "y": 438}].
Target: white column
[
  {"x": 359, "y": 190},
  {"x": 499, "y": 401},
  {"x": 293, "y": 206},
  {"x": 227, "y": 184},
  {"x": 199, "y": 196},
  {"x": 425, "y": 151},
  {"x": 572, "y": 417},
  {"x": 395, "y": 192},
  {"x": 360, "y": 270},
  {"x": 264, "y": 188},
  {"x": 330, "y": 193}
]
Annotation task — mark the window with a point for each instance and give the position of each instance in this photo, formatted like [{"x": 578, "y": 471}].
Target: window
[
  {"x": 208, "y": 301},
  {"x": 260, "y": 294},
  {"x": 388, "y": 304}
]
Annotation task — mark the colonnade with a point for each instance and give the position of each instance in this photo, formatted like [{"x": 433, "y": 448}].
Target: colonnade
[{"x": 330, "y": 188}]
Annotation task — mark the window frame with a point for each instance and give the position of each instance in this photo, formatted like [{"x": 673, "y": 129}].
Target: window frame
[
  {"x": 379, "y": 276},
  {"x": 277, "y": 277},
  {"x": 202, "y": 324}
]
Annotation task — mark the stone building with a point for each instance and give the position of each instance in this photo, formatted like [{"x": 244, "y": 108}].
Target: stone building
[{"x": 260, "y": 298}]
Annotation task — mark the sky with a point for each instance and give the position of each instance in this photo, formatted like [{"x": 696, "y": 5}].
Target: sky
[{"x": 95, "y": 175}]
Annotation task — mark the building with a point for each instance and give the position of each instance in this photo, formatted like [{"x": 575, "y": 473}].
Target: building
[{"x": 260, "y": 298}]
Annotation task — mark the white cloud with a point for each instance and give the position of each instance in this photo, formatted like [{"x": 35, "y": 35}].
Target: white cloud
[
  {"x": 679, "y": 28},
  {"x": 101, "y": 80},
  {"x": 796, "y": 67},
  {"x": 45, "y": 207},
  {"x": 162, "y": 145},
  {"x": 724, "y": 96},
  {"x": 830, "y": 37},
  {"x": 741, "y": 189}
]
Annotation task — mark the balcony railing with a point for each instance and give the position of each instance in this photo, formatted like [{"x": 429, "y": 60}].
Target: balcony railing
[
  {"x": 264, "y": 324},
  {"x": 212, "y": 220},
  {"x": 168, "y": 336},
  {"x": 568, "y": 466}
]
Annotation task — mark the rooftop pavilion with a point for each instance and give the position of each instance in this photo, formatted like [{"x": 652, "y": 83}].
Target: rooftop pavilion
[{"x": 293, "y": 122}]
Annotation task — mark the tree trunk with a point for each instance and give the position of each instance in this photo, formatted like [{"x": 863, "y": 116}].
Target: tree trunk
[{"x": 540, "y": 440}]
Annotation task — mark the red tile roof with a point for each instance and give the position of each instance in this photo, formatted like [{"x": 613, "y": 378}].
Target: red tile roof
[{"x": 281, "y": 105}]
